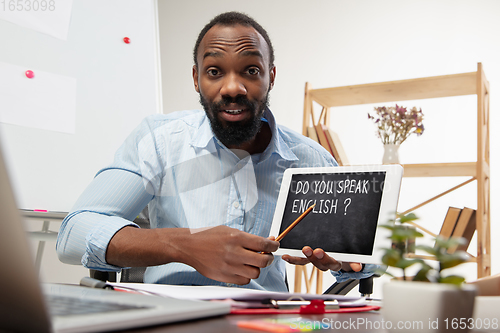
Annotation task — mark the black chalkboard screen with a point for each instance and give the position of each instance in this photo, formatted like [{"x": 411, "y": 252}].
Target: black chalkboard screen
[
  {"x": 350, "y": 202},
  {"x": 345, "y": 216}
]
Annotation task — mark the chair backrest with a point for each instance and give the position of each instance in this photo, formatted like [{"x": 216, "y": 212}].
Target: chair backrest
[{"x": 342, "y": 288}]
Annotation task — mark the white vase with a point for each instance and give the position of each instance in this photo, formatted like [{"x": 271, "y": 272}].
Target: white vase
[
  {"x": 426, "y": 307},
  {"x": 391, "y": 155}
]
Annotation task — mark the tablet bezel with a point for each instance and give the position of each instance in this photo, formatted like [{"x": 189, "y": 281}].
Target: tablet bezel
[{"x": 387, "y": 211}]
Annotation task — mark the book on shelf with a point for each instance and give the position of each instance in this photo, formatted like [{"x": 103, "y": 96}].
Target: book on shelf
[
  {"x": 311, "y": 133},
  {"x": 322, "y": 138},
  {"x": 465, "y": 227},
  {"x": 336, "y": 146},
  {"x": 330, "y": 141},
  {"x": 450, "y": 222}
]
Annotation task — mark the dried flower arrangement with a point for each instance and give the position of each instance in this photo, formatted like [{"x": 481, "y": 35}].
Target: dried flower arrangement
[{"x": 395, "y": 124}]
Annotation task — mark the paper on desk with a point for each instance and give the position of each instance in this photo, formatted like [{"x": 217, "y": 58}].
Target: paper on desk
[{"x": 217, "y": 292}]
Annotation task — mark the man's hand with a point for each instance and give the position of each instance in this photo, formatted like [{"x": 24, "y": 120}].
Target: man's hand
[
  {"x": 220, "y": 253},
  {"x": 228, "y": 255},
  {"x": 321, "y": 260}
]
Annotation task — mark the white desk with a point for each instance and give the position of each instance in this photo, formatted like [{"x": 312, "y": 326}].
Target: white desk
[{"x": 44, "y": 234}]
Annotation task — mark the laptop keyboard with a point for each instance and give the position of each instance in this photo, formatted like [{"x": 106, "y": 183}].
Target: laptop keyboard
[{"x": 69, "y": 306}]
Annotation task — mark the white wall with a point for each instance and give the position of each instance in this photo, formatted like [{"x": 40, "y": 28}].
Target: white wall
[
  {"x": 339, "y": 42},
  {"x": 116, "y": 87}
]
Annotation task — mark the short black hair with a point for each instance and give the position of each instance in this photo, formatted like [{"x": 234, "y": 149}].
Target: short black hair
[{"x": 232, "y": 19}]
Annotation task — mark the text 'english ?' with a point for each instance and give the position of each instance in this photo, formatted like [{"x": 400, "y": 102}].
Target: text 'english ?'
[{"x": 328, "y": 187}]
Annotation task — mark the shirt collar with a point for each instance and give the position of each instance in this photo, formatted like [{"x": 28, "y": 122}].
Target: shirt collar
[
  {"x": 204, "y": 134},
  {"x": 277, "y": 144}
]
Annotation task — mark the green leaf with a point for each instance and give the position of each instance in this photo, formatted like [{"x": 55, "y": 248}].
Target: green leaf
[
  {"x": 452, "y": 260},
  {"x": 391, "y": 257},
  {"x": 450, "y": 242},
  {"x": 405, "y": 263},
  {"x": 402, "y": 234},
  {"x": 387, "y": 226},
  {"x": 452, "y": 279},
  {"x": 412, "y": 233},
  {"x": 422, "y": 274},
  {"x": 407, "y": 218},
  {"x": 428, "y": 249}
]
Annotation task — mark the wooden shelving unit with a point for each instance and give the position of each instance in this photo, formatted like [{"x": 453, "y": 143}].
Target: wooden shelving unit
[{"x": 474, "y": 83}]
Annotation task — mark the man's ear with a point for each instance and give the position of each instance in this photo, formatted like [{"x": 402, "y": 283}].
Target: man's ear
[
  {"x": 195, "y": 78},
  {"x": 272, "y": 76}
]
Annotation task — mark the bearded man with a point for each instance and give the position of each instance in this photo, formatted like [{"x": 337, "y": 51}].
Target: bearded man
[{"x": 210, "y": 179}]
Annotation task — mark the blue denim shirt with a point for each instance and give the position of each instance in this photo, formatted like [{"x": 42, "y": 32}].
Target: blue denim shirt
[{"x": 174, "y": 164}]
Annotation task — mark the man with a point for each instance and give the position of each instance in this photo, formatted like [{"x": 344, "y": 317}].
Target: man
[{"x": 210, "y": 179}]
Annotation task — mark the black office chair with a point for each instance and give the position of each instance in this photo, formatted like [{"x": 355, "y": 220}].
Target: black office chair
[{"x": 342, "y": 288}]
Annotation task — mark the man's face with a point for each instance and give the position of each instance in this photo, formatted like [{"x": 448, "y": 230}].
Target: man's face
[{"x": 233, "y": 78}]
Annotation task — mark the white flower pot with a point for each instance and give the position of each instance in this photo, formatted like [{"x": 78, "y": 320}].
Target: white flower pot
[
  {"x": 391, "y": 155},
  {"x": 427, "y": 307}
]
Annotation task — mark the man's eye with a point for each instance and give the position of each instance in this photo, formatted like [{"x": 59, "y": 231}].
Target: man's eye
[
  {"x": 253, "y": 71},
  {"x": 213, "y": 72}
]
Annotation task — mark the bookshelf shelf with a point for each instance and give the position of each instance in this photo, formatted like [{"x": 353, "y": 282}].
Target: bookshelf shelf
[
  {"x": 427, "y": 257},
  {"x": 473, "y": 83},
  {"x": 464, "y": 169}
]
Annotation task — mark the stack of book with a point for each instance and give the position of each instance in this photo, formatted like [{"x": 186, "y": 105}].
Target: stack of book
[
  {"x": 330, "y": 141},
  {"x": 459, "y": 223}
]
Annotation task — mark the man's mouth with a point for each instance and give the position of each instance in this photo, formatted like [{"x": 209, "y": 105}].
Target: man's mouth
[{"x": 233, "y": 111}]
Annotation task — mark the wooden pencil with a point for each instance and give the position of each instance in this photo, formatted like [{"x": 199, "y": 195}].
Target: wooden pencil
[{"x": 291, "y": 226}]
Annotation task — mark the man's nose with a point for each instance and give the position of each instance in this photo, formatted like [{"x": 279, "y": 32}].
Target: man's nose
[{"x": 232, "y": 86}]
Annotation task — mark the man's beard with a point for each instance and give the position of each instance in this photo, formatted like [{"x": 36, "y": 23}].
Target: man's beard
[{"x": 237, "y": 132}]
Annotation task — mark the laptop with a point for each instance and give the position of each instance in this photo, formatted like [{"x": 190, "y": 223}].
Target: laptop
[{"x": 28, "y": 306}]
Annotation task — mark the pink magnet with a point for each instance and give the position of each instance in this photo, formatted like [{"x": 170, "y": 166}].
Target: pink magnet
[
  {"x": 30, "y": 74},
  {"x": 126, "y": 40}
]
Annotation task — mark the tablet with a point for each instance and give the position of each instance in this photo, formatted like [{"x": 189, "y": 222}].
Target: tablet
[{"x": 350, "y": 202}]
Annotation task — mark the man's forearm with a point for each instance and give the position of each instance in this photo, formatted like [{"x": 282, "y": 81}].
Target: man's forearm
[
  {"x": 111, "y": 202},
  {"x": 134, "y": 247},
  {"x": 220, "y": 253}
]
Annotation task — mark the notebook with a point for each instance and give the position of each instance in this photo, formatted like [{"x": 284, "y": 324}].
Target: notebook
[{"x": 24, "y": 302}]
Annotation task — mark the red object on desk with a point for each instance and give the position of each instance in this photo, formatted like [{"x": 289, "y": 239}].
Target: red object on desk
[
  {"x": 126, "y": 40},
  {"x": 317, "y": 306},
  {"x": 298, "y": 311},
  {"x": 125, "y": 290}
]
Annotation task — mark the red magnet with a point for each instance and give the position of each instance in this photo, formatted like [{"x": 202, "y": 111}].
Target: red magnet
[
  {"x": 29, "y": 74},
  {"x": 126, "y": 40}
]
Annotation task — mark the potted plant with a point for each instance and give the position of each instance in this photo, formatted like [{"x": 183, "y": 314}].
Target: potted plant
[{"x": 431, "y": 300}]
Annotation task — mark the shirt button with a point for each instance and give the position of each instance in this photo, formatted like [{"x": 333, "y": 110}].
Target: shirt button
[{"x": 236, "y": 204}]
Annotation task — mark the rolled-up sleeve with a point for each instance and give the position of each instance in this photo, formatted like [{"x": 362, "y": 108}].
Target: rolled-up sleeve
[
  {"x": 367, "y": 271},
  {"x": 113, "y": 199}
]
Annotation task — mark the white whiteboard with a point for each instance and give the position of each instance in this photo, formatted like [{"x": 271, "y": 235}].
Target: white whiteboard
[{"x": 117, "y": 85}]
